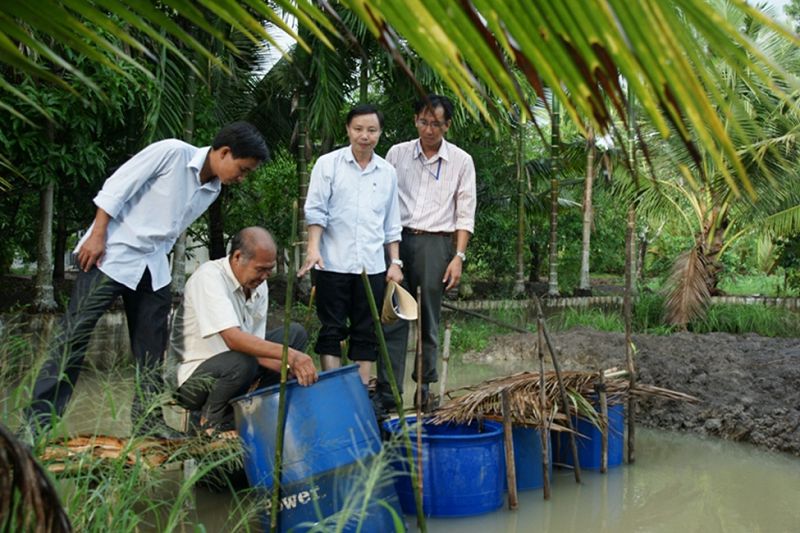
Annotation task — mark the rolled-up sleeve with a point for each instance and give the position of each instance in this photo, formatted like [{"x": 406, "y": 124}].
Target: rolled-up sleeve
[
  {"x": 466, "y": 197},
  {"x": 316, "y": 208},
  {"x": 391, "y": 225},
  {"x": 123, "y": 184}
]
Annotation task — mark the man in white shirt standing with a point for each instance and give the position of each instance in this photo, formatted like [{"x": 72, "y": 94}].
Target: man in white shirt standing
[
  {"x": 220, "y": 335},
  {"x": 141, "y": 210},
  {"x": 353, "y": 218},
  {"x": 436, "y": 185}
]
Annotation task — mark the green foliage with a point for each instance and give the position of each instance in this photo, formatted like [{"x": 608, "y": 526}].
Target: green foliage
[
  {"x": 587, "y": 317},
  {"x": 789, "y": 259},
  {"x": 766, "y": 321}
]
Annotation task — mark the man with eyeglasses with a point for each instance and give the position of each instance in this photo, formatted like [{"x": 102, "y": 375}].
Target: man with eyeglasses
[{"x": 436, "y": 187}]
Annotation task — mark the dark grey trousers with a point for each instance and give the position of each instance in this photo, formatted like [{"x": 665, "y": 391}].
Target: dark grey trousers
[
  {"x": 425, "y": 259},
  {"x": 146, "y": 311},
  {"x": 230, "y": 374}
]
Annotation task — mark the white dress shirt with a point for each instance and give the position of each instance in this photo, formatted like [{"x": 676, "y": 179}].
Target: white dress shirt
[
  {"x": 357, "y": 208},
  {"x": 151, "y": 199},
  {"x": 214, "y": 301},
  {"x": 436, "y": 194}
]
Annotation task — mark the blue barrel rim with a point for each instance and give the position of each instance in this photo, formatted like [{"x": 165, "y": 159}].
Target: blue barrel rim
[
  {"x": 393, "y": 426},
  {"x": 272, "y": 389}
]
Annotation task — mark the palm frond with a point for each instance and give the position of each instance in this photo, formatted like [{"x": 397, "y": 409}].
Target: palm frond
[{"x": 687, "y": 288}]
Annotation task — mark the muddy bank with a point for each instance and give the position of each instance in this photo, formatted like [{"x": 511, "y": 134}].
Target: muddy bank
[{"x": 749, "y": 385}]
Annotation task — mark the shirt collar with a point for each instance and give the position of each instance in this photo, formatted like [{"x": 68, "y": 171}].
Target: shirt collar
[
  {"x": 234, "y": 284},
  {"x": 196, "y": 164},
  {"x": 443, "y": 153},
  {"x": 351, "y": 158}
]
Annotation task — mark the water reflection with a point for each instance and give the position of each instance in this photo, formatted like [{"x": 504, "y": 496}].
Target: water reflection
[{"x": 679, "y": 483}]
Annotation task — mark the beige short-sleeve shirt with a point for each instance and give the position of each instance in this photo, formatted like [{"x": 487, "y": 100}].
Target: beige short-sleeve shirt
[{"x": 214, "y": 301}]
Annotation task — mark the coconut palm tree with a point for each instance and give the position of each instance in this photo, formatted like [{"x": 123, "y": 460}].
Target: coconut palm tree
[{"x": 663, "y": 48}]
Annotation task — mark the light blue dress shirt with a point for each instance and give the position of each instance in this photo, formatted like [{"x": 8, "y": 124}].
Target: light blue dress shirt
[
  {"x": 151, "y": 199},
  {"x": 357, "y": 208}
]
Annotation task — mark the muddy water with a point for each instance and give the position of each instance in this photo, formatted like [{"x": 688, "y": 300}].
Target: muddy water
[{"x": 679, "y": 483}]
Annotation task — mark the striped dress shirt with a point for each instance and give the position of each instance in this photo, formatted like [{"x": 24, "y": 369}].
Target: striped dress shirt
[{"x": 436, "y": 194}]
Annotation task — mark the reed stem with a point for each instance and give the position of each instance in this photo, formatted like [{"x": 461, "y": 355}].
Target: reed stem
[
  {"x": 276, "y": 472},
  {"x": 398, "y": 400}
]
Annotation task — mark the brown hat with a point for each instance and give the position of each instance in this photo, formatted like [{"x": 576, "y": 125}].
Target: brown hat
[{"x": 398, "y": 303}]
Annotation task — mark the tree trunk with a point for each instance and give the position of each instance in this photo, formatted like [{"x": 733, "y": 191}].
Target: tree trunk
[
  {"x": 519, "y": 285},
  {"x": 179, "y": 250},
  {"x": 299, "y": 248},
  {"x": 585, "y": 286},
  {"x": 60, "y": 250},
  {"x": 555, "y": 142},
  {"x": 44, "y": 299}
]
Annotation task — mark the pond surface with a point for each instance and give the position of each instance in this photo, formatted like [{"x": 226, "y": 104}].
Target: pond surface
[{"x": 679, "y": 483}]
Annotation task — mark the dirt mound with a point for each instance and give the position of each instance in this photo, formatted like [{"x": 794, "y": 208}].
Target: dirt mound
[{"x": 749, "y": 385}]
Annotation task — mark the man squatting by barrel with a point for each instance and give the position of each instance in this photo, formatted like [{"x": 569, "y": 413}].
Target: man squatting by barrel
[{"x": 220, "y": 334}]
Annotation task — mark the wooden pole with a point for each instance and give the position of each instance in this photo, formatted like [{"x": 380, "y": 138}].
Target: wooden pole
[
  {"x": 627, "y": 311},
  {"x": 564, "y": 398},
  {"x": 310, "y": 311},
  {"x": 448, "y": 330},
  {"x": 419, "y": 393},
  {"x": 544, "y": 431},
  {"x": 601, "y": 392},
  {"x": 398, "y": 400},
  {"x": 511, "y": 468},
  {"x": 279, "y": 432}
]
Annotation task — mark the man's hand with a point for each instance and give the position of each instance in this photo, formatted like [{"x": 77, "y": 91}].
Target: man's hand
[
  {"x": 453, "y": 273},
  {"x": 395, "y": 273},
  {"x": 313, "y": 258},
  {"x": 302, "y": 367},
  {"x": 92, "y": 251}
]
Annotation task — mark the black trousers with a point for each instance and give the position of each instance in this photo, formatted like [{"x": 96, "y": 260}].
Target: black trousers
[
  {"x": 230, "y": 374},
  {"x": 425, "y": 259},
  {"x": 147, "y": 313},
  {"x": 341, "y": 297}
]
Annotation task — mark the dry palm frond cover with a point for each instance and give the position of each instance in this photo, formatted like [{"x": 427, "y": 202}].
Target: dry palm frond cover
[
  {"x": 687, "y": 286},
  {"x": 485, "y": 399},
  {"x": 62, "y": 456},
  {"x": 28, "y": 500}
]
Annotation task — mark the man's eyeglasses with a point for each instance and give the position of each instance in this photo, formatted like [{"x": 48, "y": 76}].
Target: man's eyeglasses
[{"x": 422, "y": 123}]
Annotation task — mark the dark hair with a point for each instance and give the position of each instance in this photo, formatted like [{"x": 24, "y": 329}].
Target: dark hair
[
  {"x": 432, "y": 101},
  {"x": 243, "y": 139},
  {"x": 247, "y": 239},
  {"x": 365, "y": 109}
]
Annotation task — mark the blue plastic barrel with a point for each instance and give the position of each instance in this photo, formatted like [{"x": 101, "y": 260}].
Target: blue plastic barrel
[
  {"x": 589, "y": 441},
  {"x": 331, "y": 440},
  {"x": 528, "y": 458},
  {"x": 463, "y": 468}
]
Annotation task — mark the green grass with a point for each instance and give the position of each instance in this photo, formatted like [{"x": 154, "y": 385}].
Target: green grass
[
  {"x": 766, "y": 321},
  {"x": 755, "y": 285}
]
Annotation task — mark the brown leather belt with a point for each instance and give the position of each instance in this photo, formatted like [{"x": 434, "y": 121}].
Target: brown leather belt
[{"x": 412, "y": 231}]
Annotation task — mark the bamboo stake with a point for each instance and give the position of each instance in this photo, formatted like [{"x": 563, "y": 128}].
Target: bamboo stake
[
  {"x": 448, "y": 330},
  {"x": 398, "y": 400},
  {"x": 418, "y": 359},
  {"x": 627, "y": 311},
  {"x": 562, "y": 389},
  {"x": 310, "y": 311},
  {"x": 511, "y": 468},
  {"x": 487, "y": 318},
  {"x": 601, "y": 392},
  {"x": 544, "y": 432},
  {"x": 276, "y": 472}
]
